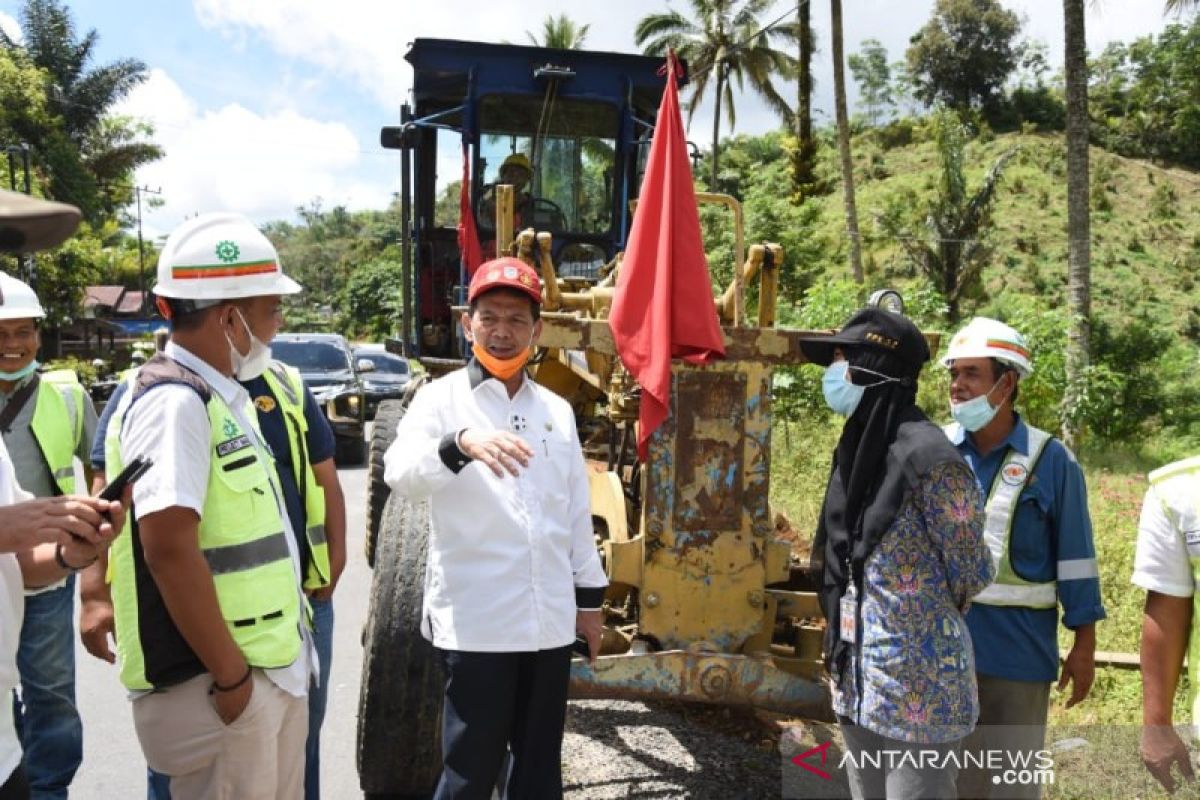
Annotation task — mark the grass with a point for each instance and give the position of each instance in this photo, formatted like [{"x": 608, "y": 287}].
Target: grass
[
  {"x": 1145, "y": 253},
  {"x": 1109, "y": 765}
]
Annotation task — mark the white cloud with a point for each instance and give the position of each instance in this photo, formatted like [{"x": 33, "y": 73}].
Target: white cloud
[
  {"x": 233, "y": 158},
  {"x": 10, "y": 27},
  {"x": 365, "y": 40}
]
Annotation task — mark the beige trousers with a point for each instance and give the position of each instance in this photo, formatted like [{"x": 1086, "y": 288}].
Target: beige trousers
[{"x": 260, "y": 756}]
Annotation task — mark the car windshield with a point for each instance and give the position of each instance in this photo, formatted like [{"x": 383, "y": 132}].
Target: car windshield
[
  {"x": 311, "y": 356},
  {"x": 385, "y": 363}
]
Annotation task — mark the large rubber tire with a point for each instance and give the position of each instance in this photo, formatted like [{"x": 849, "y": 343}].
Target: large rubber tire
[
  {"x": 400, "y": 703},
  {"x": 387, "y": 417}
]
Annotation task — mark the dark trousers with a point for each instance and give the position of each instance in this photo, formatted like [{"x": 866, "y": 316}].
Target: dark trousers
[
  {"x": 1012, "y": 718},
  {"x": 15, "y": 787},
  {"x": 496, "y": 702}
]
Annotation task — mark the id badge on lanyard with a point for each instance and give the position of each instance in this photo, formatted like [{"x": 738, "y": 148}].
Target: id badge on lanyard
[{"x": 849, "y": 615}]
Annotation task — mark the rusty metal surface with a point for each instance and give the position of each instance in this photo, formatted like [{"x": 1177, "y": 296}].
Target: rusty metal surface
[
  {"x": 771, "y": 346},
  {"x": 705, "y": 516},
  {"x": 717, "y": 678},
  {"x": 709, "y": 440}
]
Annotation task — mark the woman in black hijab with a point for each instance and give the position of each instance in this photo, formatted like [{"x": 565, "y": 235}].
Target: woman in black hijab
[{"x": 900, "y": 545}]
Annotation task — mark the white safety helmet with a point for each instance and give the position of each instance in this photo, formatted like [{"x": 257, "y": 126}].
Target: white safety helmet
[
  {"x": 217, "y": 257},
  {"x": 17, "y": 300},
  {"x": 989, "y": 338}
]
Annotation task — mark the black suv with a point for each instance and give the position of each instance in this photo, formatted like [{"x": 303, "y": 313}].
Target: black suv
[
  {"x": 385, "y": 376},
  {"x": 325, "y": 363}
]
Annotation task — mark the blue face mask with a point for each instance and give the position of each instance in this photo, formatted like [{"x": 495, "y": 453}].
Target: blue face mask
[
  {"x": 975, "y": 413},
  {"x": 841, "y": 395},
  {"x": 21, "y": 373}
]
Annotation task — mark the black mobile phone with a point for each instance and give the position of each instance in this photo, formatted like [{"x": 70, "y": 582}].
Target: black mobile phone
[
  {"x": 580, "y": 646},
  {"x": 133, "y": 470}
]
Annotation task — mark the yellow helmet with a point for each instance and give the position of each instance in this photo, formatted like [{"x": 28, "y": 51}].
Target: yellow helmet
[{"x": 518, "y": 160}]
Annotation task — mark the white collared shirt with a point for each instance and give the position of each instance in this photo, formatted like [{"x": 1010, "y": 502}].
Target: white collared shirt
[
  {"x": 173, "y": 429},
  {"x": 12, "y": 612},
  {"x": 505, "y": 554}
]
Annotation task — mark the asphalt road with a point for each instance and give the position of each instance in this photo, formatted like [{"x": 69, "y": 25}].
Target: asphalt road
[
  {"x": 612, "y": 749},
  {"x": 113, "y": 767}
]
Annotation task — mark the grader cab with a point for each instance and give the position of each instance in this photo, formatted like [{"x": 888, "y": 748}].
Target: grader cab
[{"x": 705, "y": 603}]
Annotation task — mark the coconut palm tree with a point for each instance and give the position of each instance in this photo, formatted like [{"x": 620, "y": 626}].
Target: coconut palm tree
[
  {"x": 81, "y": 94},
  {"x": 561, "y": 33},
  {"x": 86, "y": 147},
  {"x": 843, "y": 135},
  {"x": 724, "y": 43},
  {"x": 802, "y": 164},
  {"x": 1079, "y": 252},
  {"x": 1181, "y": 6}
]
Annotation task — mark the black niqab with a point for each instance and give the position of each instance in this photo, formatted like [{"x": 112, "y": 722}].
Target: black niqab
[{"x": 887, "y": 444}]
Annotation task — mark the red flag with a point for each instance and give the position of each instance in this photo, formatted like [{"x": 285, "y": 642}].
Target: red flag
[
  {"x": 664, "y": 306},
  {"x": 468, "y": 236}
]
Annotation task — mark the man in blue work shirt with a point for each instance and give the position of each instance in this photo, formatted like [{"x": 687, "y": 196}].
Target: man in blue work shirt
[
  {"x": 1040, "y": 535},
  {"x": 270, "y": 393}
]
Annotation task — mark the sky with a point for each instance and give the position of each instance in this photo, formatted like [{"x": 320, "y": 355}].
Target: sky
[{"x": 264, "y": 106}]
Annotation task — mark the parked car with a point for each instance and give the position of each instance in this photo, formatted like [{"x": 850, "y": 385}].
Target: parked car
[
  {"x": 384, "y": 375},
  {"x": 325, "y": 363}
]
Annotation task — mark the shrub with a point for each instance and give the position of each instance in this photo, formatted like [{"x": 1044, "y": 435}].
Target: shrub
[{"x": 1164, "y": 202}]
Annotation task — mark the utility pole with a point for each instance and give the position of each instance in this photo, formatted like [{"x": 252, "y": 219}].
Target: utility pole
[{"x": 141, "y": 248}]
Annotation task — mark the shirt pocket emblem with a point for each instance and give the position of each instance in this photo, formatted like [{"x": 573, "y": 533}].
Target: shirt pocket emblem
[{"x": 1014, "y": 474}]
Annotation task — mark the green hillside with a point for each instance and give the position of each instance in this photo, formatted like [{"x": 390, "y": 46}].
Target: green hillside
[
  {"x": 1145, "y": 220},
  {"x": 1144, "y": 394}
]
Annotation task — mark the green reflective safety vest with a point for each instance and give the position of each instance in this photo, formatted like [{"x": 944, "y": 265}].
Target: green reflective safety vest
[
  {"x": 241, "y": 536},
  {"x": 1008, "y": 588},
  {"x": 288, "y": 387},
  {"x": 1177, "y": 488},
  {"x": 57, "y": 424}
]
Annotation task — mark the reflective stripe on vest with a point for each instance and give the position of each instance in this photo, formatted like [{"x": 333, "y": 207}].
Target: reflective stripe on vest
[
  {"x": 247, "y": 555},
  {"x": 288, "y": 387},
  {"x": 57, "y": 425},
  {"x": 1177, "y": 488},
  {"x": 1008, "y": 588},
  {"x": 241, "y": 535}
]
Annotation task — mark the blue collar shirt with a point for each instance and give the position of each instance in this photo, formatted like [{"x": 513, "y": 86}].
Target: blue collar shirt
[{"x": 1051, "y": 540}]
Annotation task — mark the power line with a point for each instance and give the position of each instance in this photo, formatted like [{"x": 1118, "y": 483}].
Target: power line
[{"x": 1094, "y": 240}]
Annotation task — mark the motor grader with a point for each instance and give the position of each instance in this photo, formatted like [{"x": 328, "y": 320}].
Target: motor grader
[{"x": 706, "y": 603}]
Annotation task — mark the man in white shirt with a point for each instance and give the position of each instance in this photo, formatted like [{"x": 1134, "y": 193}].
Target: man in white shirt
[
  {"x": 1167, "y": 565},
  {"x": 212, "y": 628},
  {"x": 513, "y": 569},
  {"x": 41, "y": 540}
]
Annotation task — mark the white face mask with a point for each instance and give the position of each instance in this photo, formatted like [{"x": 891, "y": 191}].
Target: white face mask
[
  {"x": 976, "y": 413},
  {"x": 249, "y": 366}
]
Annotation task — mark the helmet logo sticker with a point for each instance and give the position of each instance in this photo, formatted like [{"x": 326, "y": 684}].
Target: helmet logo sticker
[
  {"x": 510, "y": 273},
  {"x": 227, "y": 251}
]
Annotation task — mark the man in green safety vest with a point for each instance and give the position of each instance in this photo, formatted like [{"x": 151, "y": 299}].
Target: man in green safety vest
[
  {"x": 43, "y": 539},
  {"x": 298, "y": 433},
  {"x": 46, "y": 420},
  {"x": 1167, "y": 566},
  {"x": 212, "y": 624}
]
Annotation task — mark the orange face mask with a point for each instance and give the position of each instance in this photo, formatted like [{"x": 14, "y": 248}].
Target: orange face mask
[{"x": 501, "y": 368}]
